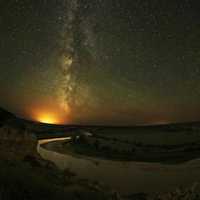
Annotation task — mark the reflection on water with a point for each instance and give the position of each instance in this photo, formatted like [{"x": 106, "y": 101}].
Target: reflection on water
[{"x": 127, "y": 177}]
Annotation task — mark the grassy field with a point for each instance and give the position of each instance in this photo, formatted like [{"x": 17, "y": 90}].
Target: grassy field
[
  {"x": 158, "y": 135},
  {"x": 167, "y": 143}
]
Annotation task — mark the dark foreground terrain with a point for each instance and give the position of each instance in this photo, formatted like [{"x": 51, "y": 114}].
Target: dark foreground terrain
[{"x": 25, "y": 175}]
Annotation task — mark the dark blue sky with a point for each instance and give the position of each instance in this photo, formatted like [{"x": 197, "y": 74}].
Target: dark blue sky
[{"x": 101, "y": 61}]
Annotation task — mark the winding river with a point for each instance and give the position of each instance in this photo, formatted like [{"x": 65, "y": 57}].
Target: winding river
[{"x": 126, "y": 177}]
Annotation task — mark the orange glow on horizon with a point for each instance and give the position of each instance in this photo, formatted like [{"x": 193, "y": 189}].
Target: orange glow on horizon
[
  {"x": 49, "y": 115},
  {"x": 48, "y": 118}
]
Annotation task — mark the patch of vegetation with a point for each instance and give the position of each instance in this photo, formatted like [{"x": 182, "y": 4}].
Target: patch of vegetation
[
  {"x": 115, "y": 149},
  {"x": 191, "y": 193}
]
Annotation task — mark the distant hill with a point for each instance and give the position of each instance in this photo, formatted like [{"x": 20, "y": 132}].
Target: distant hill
[
  {"x": 5, "y": 116},
  {"x": 41, "y": 129}
]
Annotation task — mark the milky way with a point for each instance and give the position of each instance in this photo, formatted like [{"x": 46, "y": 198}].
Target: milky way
[{"x": 101, "y": 61}]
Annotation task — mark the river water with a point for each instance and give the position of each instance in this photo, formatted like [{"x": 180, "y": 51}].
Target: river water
[{"x": 126, "y": 177}]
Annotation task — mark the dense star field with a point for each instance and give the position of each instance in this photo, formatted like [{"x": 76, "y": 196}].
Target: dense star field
[{"x": 101, "y": 61}]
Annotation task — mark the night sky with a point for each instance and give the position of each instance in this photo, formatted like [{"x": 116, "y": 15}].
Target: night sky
[{"x": 117, "y": 62}]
